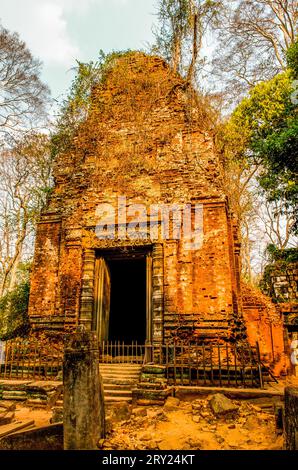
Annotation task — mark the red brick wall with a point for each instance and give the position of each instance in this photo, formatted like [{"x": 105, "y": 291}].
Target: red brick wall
[
  {"x": 147, "y": 137},
  {"x": 44, "y": 277},
  {"x": 264, "y": 325}
]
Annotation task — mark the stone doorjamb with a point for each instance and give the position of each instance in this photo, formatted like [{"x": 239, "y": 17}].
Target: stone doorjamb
[{"x": 87, "y": 293}]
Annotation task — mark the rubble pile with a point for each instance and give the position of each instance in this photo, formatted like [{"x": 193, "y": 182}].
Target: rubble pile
[{"x": 214, "y": 423}]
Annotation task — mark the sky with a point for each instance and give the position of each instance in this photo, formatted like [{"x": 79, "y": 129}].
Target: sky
[{"x": 59, "y": 32}]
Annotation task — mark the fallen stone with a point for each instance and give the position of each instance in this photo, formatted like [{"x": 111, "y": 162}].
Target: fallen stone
[
  {"x": 120, "y": 411},
  {"x": 147, "y": 402},
  {"x": 146, "y": 437},
  {"x": 8, "y": 405},
  {"x": 171, "y": 403},
  {"x": 57, "y": 415},
  {"x": 196, "y": 419},
  {"x": 41, "y": 438},
  {"x": 152, "y": 445},
  {"x": 108, "y": 425},
  {"x": 163, "y": 417},
  {"x": 252, "y": 423},
  {"x": 6, "y": 418},
  {"x": 139, "y": 411},
  {"x": 222, "y": 405},
  {"x": 154, "y": 413},
  {"x": 198, "y": 405},
  {"x": 12, "y": 428},
  {"x": 100, "y": 443},
  {"x": 195, "y": 444}
]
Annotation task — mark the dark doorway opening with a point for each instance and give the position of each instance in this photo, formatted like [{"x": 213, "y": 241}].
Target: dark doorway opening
[{"x": 127, "y": 321}]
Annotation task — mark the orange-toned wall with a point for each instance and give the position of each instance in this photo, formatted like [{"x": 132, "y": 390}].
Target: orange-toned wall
[{"x": 264, "y": 325}]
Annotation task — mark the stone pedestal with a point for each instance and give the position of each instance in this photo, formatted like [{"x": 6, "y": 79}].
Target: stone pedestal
[
  {"x": 291, "y": 418},
  {"x": 84, "y": 414}
]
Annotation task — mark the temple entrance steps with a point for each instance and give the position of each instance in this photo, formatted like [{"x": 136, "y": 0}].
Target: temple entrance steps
[{"x": 119, "y": 380}]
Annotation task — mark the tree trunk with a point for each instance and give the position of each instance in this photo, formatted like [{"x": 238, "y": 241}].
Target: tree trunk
[
  {"x": 191, "y": 70},
  {"x": 176, "y": 59},
  {"x": 291, "y": 418}
]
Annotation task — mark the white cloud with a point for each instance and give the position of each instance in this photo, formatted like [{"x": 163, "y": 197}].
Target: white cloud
[
  {"x": 60, "y": 31},
  {"x": 49, "y": 37},
  {"x": 78, "y": 6},
  {"x": 42, "y": 24}
]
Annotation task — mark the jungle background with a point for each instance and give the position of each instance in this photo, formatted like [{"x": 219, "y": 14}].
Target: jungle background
[{"x": 241, "y": 56}]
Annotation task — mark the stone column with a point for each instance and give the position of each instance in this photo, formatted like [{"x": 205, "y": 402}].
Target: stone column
[
  {"x": 84, "y": 412},
  {"x": 291, "y": 418},
  {"x": 87, "y": 295},
  {"x": 157, "y": 294}
]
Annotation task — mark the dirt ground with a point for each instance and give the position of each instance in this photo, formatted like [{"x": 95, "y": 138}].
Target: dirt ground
[
  {"x": 191, "y": 426},
  {"x": 181, "y": 425},
  {"x": 41, "y": 417}
]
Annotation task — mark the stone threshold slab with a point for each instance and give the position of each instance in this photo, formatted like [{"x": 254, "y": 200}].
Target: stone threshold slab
[{"x": 181, "y": 392}]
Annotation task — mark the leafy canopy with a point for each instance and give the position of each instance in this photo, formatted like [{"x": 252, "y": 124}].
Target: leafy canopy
[{"x": 264, "y": 130}]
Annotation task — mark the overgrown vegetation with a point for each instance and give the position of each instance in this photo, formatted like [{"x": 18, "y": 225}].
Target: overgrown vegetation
[
  {"x": 289, "y": 255},
  {"x": 263, "y": 131},
  {"x": 74, "y": 109},
  {"x": 14, "y": 320},
  {"x": 255, "y": 57},
  {"x": 25, "y": 174},
  {"x": 280, "y": 263}
]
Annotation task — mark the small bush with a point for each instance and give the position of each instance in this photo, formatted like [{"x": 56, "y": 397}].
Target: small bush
[{"x": 14, "y": 320}]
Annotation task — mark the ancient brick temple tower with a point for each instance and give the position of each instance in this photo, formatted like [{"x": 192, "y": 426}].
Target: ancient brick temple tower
[{"x": 145, "y": 141}]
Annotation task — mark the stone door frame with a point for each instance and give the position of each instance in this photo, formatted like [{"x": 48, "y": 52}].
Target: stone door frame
[{"x": 155, "y": 297}]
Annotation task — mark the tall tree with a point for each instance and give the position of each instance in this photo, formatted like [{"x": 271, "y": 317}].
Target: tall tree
[
  {"x": 263, "y": 132},
  {"x": 252, "y": 42},
  {"x": 25, "y": 179},
  {"x": 182, "y": 27},
  {"x": 23, "y": 96}
]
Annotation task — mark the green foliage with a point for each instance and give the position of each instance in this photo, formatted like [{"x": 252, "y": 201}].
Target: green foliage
[
  {"x": 74, "y": 109},
  {"x": 14, "y": 319},
  {"x": 264, "y": 130},
  {"x": 280, "y": 261},
  {"x": 292, "y": 59},
  {"x": 289, "y": 255}
]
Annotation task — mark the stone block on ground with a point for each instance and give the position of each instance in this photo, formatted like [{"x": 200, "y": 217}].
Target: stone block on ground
[
  {"x": 139, "y": 411},
  {"x": 14, "y": 427},
  {"x": 7, "y": 406},
  {"x": 57, "y": 415},
  {"x": 120, "y": 411},
  {"x": 147, "y": 402},
  {"x": 6, "y": 417},
  {"x": 171, "y": 403},
  {"x": 222, "y": 406},
  {"x": 41, "y": 438}
]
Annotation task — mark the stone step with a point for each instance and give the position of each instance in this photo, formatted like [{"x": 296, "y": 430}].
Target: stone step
[
  {"x": 119, "y": 380},
  {"x": 120, "y": 377},
  {"x": 118, "y": 393},
  {"x": 117, "y": 399},
  {"x": 119, "y": 371},
  {"x": 117, "y": 387},
  {"x": 116, "y": 381},
  {"x": 120, "y": 364}
]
